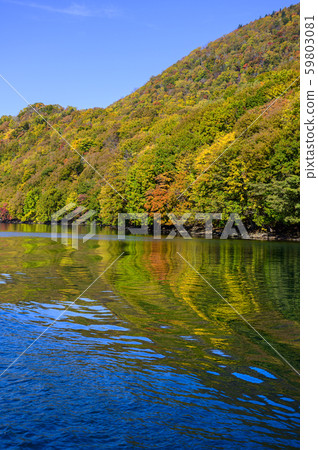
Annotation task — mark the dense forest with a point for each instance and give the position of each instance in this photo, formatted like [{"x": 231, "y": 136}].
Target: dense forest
[{"x": 238, "y": 95}]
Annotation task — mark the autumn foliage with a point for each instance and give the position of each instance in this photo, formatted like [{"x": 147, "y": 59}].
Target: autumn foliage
[{"x": 206, "y": 125}]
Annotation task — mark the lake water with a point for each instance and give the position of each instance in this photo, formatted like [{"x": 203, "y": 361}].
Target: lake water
[{"x": 150, "y": 355}]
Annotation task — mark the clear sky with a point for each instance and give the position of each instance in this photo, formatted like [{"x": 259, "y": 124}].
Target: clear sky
[{"x": 93, "y": 52}]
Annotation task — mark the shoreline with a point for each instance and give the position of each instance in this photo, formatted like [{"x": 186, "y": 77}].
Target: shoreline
[{"x": 258, "y": 235}]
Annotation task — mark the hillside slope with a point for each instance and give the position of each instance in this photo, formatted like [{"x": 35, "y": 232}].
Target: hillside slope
[{"x": 154, "y": 143}]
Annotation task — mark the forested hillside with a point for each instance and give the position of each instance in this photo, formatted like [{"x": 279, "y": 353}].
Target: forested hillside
[{"x": 154, "y": 143}]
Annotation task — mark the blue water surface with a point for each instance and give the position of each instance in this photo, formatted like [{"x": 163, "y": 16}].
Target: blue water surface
[{"x": 138, "y": 360}]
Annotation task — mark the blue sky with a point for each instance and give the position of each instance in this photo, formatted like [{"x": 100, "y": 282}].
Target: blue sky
[{"x": 91, "y": 53}]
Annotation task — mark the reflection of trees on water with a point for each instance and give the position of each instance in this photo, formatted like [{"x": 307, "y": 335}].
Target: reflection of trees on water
[{"x": 163, "y": 298}]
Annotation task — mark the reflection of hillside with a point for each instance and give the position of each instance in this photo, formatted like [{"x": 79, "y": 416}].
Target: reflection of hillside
[
  {"x": 151, "y": 335},
  {"x": 163, "y": 299},
  {"x": 51, "y": 271},
  {"x": 165, "y": 291}
]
